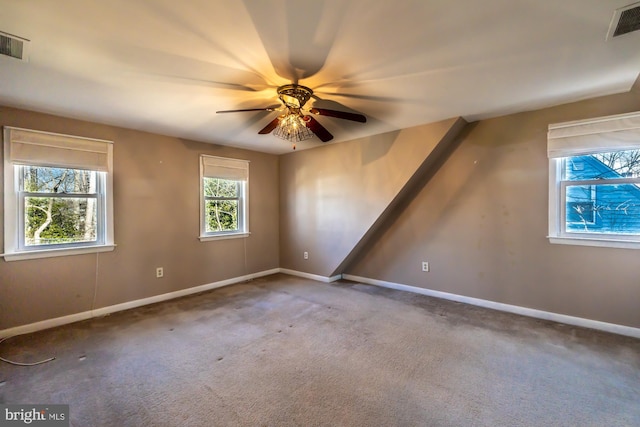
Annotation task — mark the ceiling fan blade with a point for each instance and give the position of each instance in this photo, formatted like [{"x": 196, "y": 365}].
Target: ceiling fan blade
[
  {"x": 339, "y": 114},
  {"x": 247, "y": 109},
  {"x": 271, "y": 126},
  {"x": 318, "y": 129},
  {"x": 356, "y": 96}
]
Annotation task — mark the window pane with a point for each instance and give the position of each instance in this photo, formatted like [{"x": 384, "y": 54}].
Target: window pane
[
  {"x": 221, "y": 215},
  {"x": 54, "y": 220},
  {"x": 55, "y": 180},
  {"x": 216, "y": 187},
  {"x": 580, "y": 203},
  {"x": 613, "y": 165},
  {"x": 603, "y": 209}
]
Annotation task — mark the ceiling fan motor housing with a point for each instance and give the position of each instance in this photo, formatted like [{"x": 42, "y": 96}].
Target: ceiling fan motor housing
[{"x": 294, "y": 96}]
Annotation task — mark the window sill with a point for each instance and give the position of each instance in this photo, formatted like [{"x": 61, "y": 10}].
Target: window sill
[
  {"x": 603, "y": 243},
  {"x": 49, "y": 253},
  {"x": 224, "y": 236}
]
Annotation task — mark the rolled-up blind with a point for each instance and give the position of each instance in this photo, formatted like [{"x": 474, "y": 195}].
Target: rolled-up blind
[
  {"x": 30, "y": 147},
  {"x": 602, "y": 134},
  {"x": 219, "y": 167}
]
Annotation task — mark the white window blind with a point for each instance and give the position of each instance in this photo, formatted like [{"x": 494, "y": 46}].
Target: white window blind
[
  {"x": 218, "y": 167},
  {"x": 30, "y": 147},
  {"x": 611, "y": 133}
]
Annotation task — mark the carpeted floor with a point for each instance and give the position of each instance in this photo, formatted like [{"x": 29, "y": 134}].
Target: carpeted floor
[{"x": 285, "y": 351}]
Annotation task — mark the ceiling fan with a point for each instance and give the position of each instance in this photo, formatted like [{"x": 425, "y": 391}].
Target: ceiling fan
[{"x": 295, "y": 125}]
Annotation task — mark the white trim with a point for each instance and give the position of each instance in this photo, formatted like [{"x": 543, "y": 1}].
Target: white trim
[
  {"x": 523, "y": 311},
  {"x": 103, "y": 311},
  {"x": 554, "y": 201},
  {"x": 108, "y": 211},
  {"x": 315, "y": 277},
  {"x": 50, "y": 253},
  {"x": 223, "y": 236},
  {"x": 10, "y": 208},
  {"x": 604, "y": 243}
]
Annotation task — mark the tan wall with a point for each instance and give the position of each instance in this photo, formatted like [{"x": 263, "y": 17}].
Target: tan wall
[
  {"x": 331, "y": 195},
  {"x": 481, "y": 223},
  {"x": 156, "y": 213}
]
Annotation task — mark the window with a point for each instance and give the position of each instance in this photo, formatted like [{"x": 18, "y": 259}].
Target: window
[
  {"x": 57, "y": 191},
  {"x": 224, "y": 190},
  {"x": 594, "y": 182}
]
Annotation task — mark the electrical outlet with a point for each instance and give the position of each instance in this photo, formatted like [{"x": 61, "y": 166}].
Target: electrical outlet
[
  {"x": 305, "y": 255},
  {"x": 425, "y": 266},
  {"x": 159, "y": 272}
]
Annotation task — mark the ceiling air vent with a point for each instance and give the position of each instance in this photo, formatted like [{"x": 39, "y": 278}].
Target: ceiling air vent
[
  {"x": 13, "y": 46},
  {"x": 625, "y": 20}
]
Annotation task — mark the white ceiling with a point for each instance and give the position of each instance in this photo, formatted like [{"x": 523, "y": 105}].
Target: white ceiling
[{"x": 168, "y": 66}]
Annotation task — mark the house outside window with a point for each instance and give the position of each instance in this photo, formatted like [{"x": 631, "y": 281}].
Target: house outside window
[
  {"x": 58, "y": 194},
  {"x": 224, "y": 191},
  {"x": 594, "y": 182}
]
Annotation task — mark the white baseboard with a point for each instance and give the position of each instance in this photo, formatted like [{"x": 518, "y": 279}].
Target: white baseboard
[
  {"x": 529, "y": 312},
  {"x": 59, "y": 321},
  {"x": 315, "y": 277},
  {"x": 524, "y": 311}
]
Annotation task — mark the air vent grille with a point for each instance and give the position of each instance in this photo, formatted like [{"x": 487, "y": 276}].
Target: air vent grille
[
  {"x": 625, "y": 20},
  {"x": 13, "y": 46},
  {"x": 629, "y": 21}
]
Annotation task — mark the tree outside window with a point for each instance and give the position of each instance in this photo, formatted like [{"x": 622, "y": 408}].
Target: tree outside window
[
  {"x": 222, "y": 198},
  {"x": 60, "y": 206}
]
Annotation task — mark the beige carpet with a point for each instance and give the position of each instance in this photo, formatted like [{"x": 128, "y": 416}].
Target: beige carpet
[{"x": 285, "y": 351}]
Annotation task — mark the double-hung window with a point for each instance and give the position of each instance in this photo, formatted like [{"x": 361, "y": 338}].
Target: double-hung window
[
  {"x": 224, "y": 192},
  {"x": 57, "y": 194},
  {"x": 594, "y": 181}
]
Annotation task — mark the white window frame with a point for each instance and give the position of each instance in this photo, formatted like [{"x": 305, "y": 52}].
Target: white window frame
[
  {"x": 25, "y": 147},
  {"x": 604, "y": 134},
  {"x": 232, "y": 169}
]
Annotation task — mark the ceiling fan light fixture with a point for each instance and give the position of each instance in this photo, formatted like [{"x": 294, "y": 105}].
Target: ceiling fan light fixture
[{"x": 293, "y": 128}]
